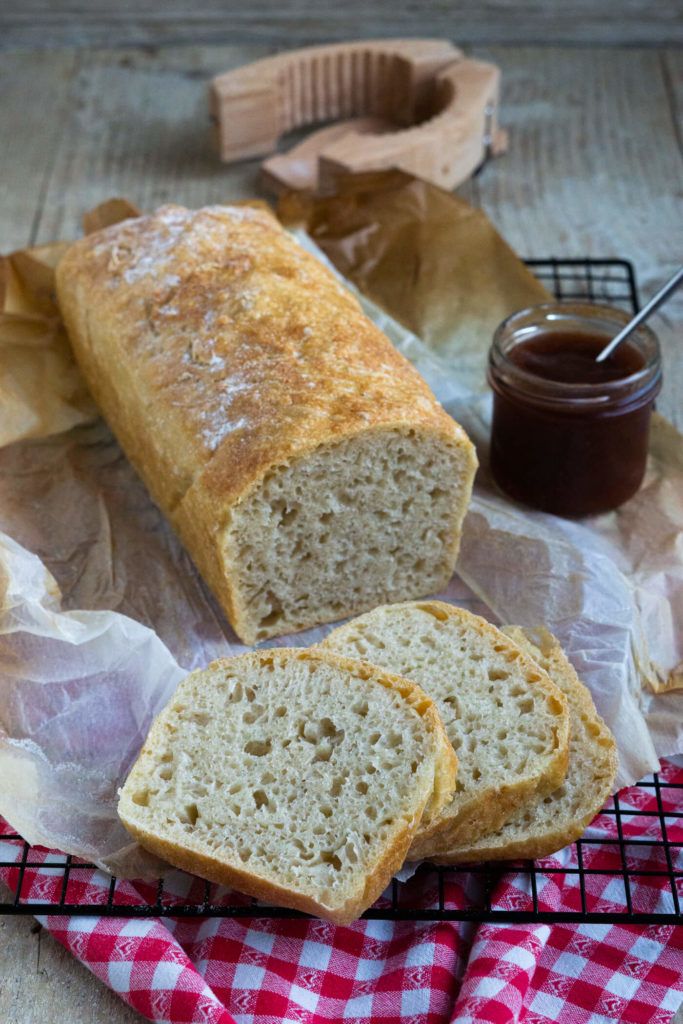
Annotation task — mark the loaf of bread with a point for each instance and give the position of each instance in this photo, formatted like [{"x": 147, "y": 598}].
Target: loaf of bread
[
  {"x": 296, "y": 776},
  {"x": 546, "y": 824},
  {"x": 301, "y": 459},
  {"x": 508, "y": 723}
]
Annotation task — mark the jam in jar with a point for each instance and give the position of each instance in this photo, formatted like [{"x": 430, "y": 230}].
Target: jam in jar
[{"x": 569, "y": 434}]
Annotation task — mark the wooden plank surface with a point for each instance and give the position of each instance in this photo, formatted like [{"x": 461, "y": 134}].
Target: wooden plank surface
[
  {"x": 41, "y": 982},
  {"x": 33, "y": 125},
  {"x": 50, "y": 23},
  {"x": 594, "y": 168}
]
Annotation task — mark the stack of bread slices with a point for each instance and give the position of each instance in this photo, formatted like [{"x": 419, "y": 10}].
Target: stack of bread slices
[{"x": 306, "y": 777}]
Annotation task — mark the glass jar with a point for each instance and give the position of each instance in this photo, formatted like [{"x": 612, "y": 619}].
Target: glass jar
[{"x": 570, "y": 435}]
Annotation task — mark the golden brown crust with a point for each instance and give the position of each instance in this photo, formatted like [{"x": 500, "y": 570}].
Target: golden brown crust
[
  {"x": 256, "y": 386},
  {"x": 229, "y": 874},
  {"x": 217, "y": 350}
]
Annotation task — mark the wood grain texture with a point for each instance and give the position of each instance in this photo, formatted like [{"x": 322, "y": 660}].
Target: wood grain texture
[
  {"x": 138, "y": 126},
  {"x": 41, "y": 981},
  {"x": 50, "y": 23},
  {"x": 594, "y": 167},
  {"x": 26, "y": 79}
]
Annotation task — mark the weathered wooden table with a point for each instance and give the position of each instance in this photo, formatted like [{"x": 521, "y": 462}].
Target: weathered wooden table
[{"x": 594, "y": 168}]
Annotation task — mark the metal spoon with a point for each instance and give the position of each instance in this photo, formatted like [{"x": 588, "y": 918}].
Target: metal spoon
[{"x": 638, "y": 319}]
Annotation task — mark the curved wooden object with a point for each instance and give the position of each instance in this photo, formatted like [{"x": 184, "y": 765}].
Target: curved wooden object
[
  {"x": 253, "y": 106},
  {"x": 445, "y": 149},
  {"x": 416, "y": 105}
]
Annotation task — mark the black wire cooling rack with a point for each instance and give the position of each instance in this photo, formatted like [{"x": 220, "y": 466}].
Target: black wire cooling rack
[{"x": 627, "y": 868}]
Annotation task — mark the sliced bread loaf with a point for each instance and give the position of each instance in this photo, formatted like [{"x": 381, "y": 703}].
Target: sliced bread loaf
[
  {"x": 296, "y": 776},
  {"x": 548, "y": 823},
  {"x": 508, "y": 723}
]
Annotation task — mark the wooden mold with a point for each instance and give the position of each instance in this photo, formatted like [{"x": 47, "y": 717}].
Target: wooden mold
[{"x": 415, "y": 105}]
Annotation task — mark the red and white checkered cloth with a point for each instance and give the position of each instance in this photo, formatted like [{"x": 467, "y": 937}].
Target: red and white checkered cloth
[{"x": 225, "y": 970}]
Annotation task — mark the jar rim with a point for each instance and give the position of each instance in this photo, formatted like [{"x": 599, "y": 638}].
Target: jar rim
[{"x": 535, "y": 317}]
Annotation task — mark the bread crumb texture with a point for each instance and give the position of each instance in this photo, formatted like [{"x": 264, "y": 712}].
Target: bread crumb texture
[
  {"x": 507, "y": 722},
  {"x": 346, "y": 529},
  {"x": 295, "y": 776},
  {"x": 548, "y": 823}
]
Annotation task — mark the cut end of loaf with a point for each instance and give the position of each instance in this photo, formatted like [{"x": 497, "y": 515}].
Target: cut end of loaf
[
  {"x": 372, "y": 519},
  {"x": 297, "y": 777}
]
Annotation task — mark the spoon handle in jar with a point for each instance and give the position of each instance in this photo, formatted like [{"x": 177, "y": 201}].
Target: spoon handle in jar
[{"x": 651, "y": 306}]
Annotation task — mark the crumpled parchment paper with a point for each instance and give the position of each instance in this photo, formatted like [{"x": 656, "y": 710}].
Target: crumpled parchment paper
[{"x": 102, "y": 611}]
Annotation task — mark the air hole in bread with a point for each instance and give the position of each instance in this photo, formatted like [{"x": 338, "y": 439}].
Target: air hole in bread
[
  {"x": 337, "y": 785},
  {"x": 274, "y": 616},
  {"x": 260, "y": 798},
  {"x": 434, "y": 611},
  {"x": 258, "y": 748},
  {"x": 141, "y": 797},
  {"x": 288, "y": 515},
  {"x": 189, "y": 814},
  {"x": 201, "y": 718},
  {"x": 351, "y": 855},
  {"x": 249, "y": 717}
]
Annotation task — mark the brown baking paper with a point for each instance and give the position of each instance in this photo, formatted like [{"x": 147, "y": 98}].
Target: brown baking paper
[
  {"x": 102, "y": 611},
  {"x": 425, "y": 256},
  {"x": 41, "y": 390}
]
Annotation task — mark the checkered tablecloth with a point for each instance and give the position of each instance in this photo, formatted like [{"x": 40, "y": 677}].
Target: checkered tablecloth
[{"x": 219, "y": 970}]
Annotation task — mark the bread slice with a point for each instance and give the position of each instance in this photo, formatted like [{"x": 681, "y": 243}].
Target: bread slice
[
  {"x": 296, "y": 776},
  {"x": 508, "y": 723},
  {"x": 548, "y": 823}
]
